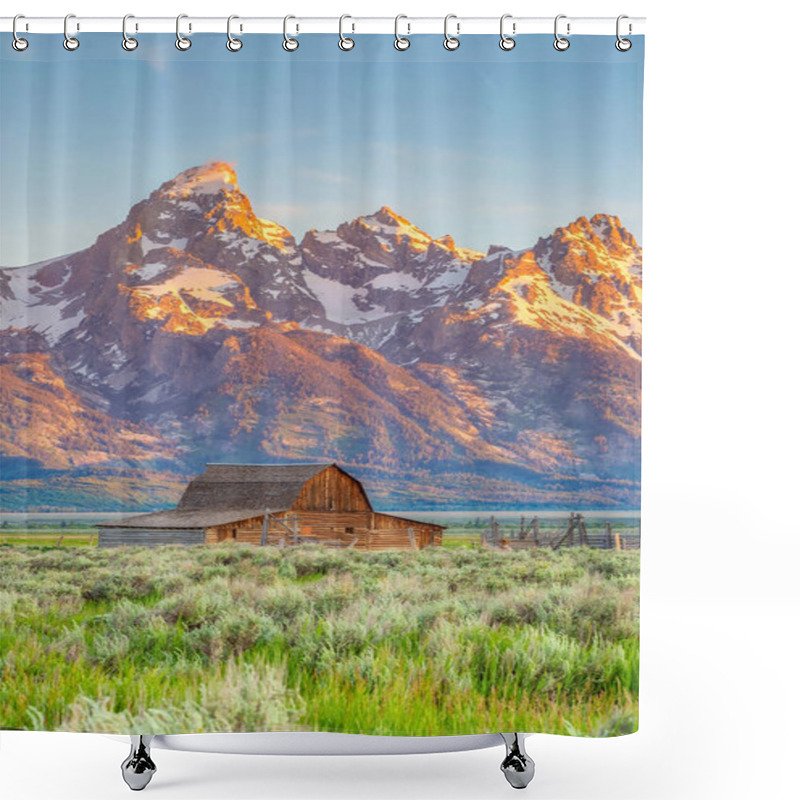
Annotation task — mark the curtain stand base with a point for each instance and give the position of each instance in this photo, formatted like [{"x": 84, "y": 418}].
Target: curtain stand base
[{"x": 139, "y": 767}]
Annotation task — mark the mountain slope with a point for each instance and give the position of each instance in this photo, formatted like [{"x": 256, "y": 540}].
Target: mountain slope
[
  {"x": 308, "y": 395},
  {"x": 44, "y": 422}
]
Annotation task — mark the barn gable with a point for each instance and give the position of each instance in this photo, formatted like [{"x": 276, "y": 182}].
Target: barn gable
[{"x": 332, "y": 489}]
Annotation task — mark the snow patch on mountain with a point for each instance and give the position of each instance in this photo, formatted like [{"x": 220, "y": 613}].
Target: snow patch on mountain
[
  {"x": 344, "y": 305},
  {"x": 396, "y": 280},
  {"x": 204, "y": 284},
  {"x": 40, "y": 308},
  {"x": 147, "y": 272},
  {"x": 147, "y": 244}
]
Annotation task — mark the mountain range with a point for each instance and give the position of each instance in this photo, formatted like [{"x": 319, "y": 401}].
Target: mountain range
[{"x": 443, "y": 377}]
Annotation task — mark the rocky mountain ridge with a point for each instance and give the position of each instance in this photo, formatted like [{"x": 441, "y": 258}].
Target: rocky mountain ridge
[{"x": 377, "y": 345}]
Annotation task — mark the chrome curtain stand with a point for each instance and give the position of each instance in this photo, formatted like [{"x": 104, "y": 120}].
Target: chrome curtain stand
[{"x": 138, "y": 768}]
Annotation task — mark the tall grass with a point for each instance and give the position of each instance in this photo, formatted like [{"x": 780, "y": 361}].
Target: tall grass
[{"x": 239, "y": 638}]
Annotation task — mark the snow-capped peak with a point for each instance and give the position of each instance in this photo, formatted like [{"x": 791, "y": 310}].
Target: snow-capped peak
[
  {"x": 387, "y": 224},
  {"x": 207, "y": 179},
  {"x": 207, "y": 198},
  {"x": 394, "y": 229},
  {"x": 387, "y": 216}
]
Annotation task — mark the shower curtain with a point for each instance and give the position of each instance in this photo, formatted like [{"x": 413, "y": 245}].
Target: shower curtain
[{"x": 320, "y": 396}]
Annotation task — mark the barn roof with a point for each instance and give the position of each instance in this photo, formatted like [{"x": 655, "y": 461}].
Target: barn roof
[
  {"x": 179, "y": 520},
  {"x": 230, "y": 492},
  {"x": 248, "y": 486}
]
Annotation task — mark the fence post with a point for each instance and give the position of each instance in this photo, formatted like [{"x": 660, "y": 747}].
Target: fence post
[
  {"x": 411, "y": 539},
  {"x": 583, "y": 535}
]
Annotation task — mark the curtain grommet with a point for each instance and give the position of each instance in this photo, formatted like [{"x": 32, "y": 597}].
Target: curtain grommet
[
  {"x": 129, "y": 43},
  {"x": 345, "y": 42},
  {"x": 401, "y": 43},
  {"x": 561, "y": 43},
  {"x": 507, "y": 42},
  {"x": 181, "y": 42},
  {"x": 290, "y": 44},
  {"x": 17, "y": 42},
  {"x": 451, "y": 43},
  {"x": 70, "y": 43},
  {"x": 233, "y": 44}
]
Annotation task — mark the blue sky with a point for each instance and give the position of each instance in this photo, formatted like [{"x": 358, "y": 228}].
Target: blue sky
[{"x": 488, "y": 146}]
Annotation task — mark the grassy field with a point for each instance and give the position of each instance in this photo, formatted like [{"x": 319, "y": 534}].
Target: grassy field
[
  {"x": 49, "y": 537},
  {"x": 237, "y": 638},
  {"x": 48, "y": 532}
]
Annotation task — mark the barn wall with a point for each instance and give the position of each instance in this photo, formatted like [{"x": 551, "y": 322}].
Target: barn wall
[
  {"x": 425, "y": 535},
  {"x": 364, "y": 530},
  {"x": 332, "y": 490},
  {"x": 232, "y": 532},
  {"x": 114, "y": 537},
  {"x": 326, "y": 528}
]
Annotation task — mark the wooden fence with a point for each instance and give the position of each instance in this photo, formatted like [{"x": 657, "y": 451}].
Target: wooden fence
[{"x": 558, "y": 533}]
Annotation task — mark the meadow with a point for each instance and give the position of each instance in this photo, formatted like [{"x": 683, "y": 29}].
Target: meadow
[{"x": 241, "y": 638}]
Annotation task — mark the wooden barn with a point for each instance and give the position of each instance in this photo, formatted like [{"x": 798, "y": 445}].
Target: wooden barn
[{"x": 276, "y": 505}]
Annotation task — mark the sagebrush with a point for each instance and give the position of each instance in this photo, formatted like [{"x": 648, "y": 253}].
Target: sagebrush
[{"x": 241, "y": 638}]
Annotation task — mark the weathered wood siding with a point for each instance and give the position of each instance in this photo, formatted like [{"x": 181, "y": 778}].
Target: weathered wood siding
[
  {"x": 425, "y": 535},
  {"x": 114, "y": 537},
  {"x": 332, "y": 490},
  {"x": 363, "y": 530},
  {"x": 232, "y": 532}
]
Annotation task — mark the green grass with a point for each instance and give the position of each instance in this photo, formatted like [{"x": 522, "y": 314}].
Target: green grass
[
  {"x": 239, "y": 638},
  {"x": 49, "y": 538},
  {"x": 72, "y": 534}
]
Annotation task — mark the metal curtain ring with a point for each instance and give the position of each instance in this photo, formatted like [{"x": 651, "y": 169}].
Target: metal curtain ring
[
  {"x": 289, "y": 44},
  {"x": 451, "y": 42},
  {"x": 345, "y": 43},
  {"x": 181, "y": 42},
  {"x": 70, "y": 42},
  {"x": 128, "y": 42},
  {"x": 18, "y": 43},
  {"x": 507, "y": 42},
  {"x": 623, "y": 45},
  {"x": 400, "y": 42},
  {"x": 233, "y": 44},
  {"x": 560, "y": 43}
]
